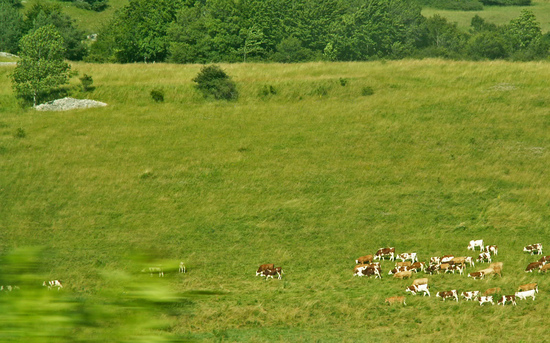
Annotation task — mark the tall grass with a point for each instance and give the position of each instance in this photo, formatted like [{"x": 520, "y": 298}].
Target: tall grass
[{"x": 308, "y": 178}]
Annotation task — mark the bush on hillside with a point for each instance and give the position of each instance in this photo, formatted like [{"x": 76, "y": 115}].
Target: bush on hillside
[
  {"x": 157, "y": 95},
  {"x": 506, "y": 2},
  {"x": 213, "y": 82}
]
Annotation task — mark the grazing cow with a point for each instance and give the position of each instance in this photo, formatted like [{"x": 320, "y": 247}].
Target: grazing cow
[
  {"x": 182, "y": 268},
  {"x": 269, "y": 273},
  {"x": 419, "y": 288},
  {"x": 447, "y": 258},
  {"x": 433, "y": 269},
  {"x": 418, "y": 265},
  {"x": 408, "y": 256},
  {"x": 491, "y": 291},
  {"x": 524, "y": 294},
  {"x": 152, "y": 270},
  {"x": 393, "y": 300},
  {"x": 10, "y": 288},
  {"x": 484, "y": 257},
  {"x": 371, "y": 271},
  {"x": 264, "y": 267},
  {"x": 364, "y": 259},
  {"x": 486, "y": 299},
  {"x": 544, "y": 268},
  {"x": 529, "y": 286},
  {"x": 497, "y": 268},
  {"x": 476, "y": 275},
  {"x": 492, "y": 249},
  {"x": 471, "y": 295},
  {"x": 403, "y": 275},
  {"x": 469, "y": 260},
  {"x": 435, "y": 260},
  {"x": 533, "y": 265},
  {"x": 448, "y": 294},
  {"x": 534, "y": 248},
  {"x": 421, "y": 281},
  {"x": 401, "y": 269},
  {"x": 487, "y": 271},
  {"x": 476, "y": 243},
  {"x": 382, "y": 253},
  {"x": 459, "y": 260},
  {"x": 507, "y": 299},
  {"x": 53, "y": 283},
  {"x": 404, "y": 263},
  {"x": 454, "y": 267},
  {"x": 358, "y": 269},
  {"x": 545, "y": 259},
  {"x": 444, "y": 266}
]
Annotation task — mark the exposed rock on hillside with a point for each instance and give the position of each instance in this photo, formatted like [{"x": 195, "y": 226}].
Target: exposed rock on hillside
[{"x": 66, "y": 104}]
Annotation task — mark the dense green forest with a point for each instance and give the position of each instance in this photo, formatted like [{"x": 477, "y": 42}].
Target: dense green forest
[{"x": 205, "y": 31}]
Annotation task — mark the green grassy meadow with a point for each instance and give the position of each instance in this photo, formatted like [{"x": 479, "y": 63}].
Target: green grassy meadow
[
  {"x": 495, "y": 14},
  {"x": 309, "y": 178}
]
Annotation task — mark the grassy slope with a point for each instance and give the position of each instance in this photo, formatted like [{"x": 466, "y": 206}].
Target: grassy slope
[
  {"x": 309, "y": 179},
  {"x": 496, "y": 14}
]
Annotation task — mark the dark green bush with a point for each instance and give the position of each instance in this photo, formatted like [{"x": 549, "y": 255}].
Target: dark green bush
[
  {"x": 506, "y": 2},
  {"x": 456, "y": 5},
  {"x": 157, "y": 95},
  {"x": 267, "y": 90},
  {"x": 367, "y": 91},
  {"x": 213, "y": 82},
  {"x": 86, "y": 83}
]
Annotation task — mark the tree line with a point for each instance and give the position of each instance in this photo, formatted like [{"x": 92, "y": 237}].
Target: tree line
[{"x": 213, "y": 31}]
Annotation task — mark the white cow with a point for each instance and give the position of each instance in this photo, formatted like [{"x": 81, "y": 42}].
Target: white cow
[
  {"x": 182, "y": 268},
  {"x": 486, "y": 299},
  {"x": 476, "y": 243},
  {"x": 523, "y": 295},
  {"x": 53, "y": 283},
  {"x": 154, "y": 270}
]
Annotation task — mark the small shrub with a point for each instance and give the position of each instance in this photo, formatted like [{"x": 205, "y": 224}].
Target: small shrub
[
  {"x": 365, "y": 91},
  {"x": 213, "y": 82},
  {"x": 343, "y": 82},
  {"x": 266, "y": 91},
  {"x": 86, "y": 83},
  {"x": 157, "y": 95},
  {"x": 20, "y": 133}
]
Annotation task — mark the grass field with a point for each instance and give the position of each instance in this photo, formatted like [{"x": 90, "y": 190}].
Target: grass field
[
  {"x": 309, "y": 178},
  {"x": 496, "y": 14}
]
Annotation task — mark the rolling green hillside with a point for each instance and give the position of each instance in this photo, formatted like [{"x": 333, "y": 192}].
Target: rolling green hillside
[{"x": 308, "y": 178}]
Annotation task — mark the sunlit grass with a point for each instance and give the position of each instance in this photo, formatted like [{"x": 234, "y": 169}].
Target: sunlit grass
[{"x": 309, "y": 178}]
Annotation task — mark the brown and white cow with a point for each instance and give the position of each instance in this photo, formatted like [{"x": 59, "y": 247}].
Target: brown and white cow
[
  {"x": 435, "y": 260},
  {"x": 470, "y": 295},
  {"x": 382, "y": 253},
  {"x": 393, "y": 300},
  {"x": 419, "y": 288},
  {"x": 358, "y": 269},
  {"x": 455, "y": 267},
  {"x": 364, "y": 259},
  {"x": 486, "y": 299},
  {"x": 448, "y": 294},
  {"x": 418, "y": 266},
  {"x": 492, "y": 249},
  {"x": 534, "y": 248},
  {"x": 476, "y": 275},
  {"x": 269, "y": 273},
  {"x": 408, "y": 256},
  {"x": 484, "y": 257},
  {"x": 529, "y": 286},
  {"x": 534, "y": 265},
  {"x": 476, "y": 243},
  {"x": 434, "y": 268},
  {"x": 507, "y": 299},
  {"x": 545, "y": 259},
  {"x": 447, "y": 258},
  {"x": 264, "y": 267},
  {"x": 491, "y": 291}
]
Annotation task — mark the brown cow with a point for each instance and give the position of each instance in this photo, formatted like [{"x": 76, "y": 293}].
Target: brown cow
[
  {"x": 497, "y": 267},
  {"x": 403, "y": 275},
  {"x": 534, "y": 265},
  {"x": 364, "y": 259},
  {"x": 487, "y": 271},
  {"x": 421, "y": 281},
  {"x": 264, "y": 267},
  {"x": 528, "y": 287},
  {"x": 403, "y": 264},
  {"x": 491, "y": 291},
  {"x": 393, "y": 300},
  {"x": 544, "y": 268}
]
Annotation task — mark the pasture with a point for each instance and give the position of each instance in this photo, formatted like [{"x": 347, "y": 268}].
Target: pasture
[{"x": 309, "y": 177}]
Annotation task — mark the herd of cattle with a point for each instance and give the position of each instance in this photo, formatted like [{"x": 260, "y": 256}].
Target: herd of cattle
[{"x": 409, "y": 264}]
